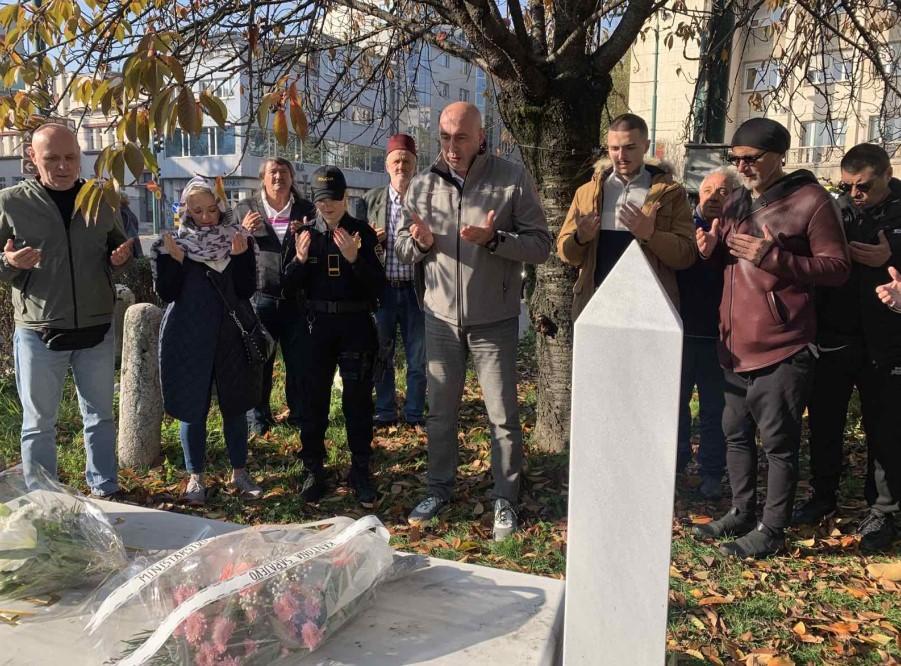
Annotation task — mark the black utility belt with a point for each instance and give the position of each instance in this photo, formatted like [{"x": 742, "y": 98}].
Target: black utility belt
[{"x": 339, "y": 307}]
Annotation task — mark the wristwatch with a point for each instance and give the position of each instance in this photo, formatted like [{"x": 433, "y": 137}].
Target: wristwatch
[
  {"x": 4, "y": 262},
  {"x": 491, "y": 245}
]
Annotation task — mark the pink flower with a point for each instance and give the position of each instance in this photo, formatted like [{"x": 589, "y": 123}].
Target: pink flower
[
  {"x": 206, "y": 655},
  {"x": 223, "y": 628},
  {"x": 231, "y": 569},
  {"x": 311, "y": 607},
  {"x": 250, "y": 647},
  {"x": 195, "y": 626},
  {"x": 182, "y": 592},
  {"x": 312, "y": 635},
  {"x": 285, "y": 607}
]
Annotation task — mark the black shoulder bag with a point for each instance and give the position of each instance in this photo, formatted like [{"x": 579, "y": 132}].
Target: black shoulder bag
[{"x": 258, "y": 344}]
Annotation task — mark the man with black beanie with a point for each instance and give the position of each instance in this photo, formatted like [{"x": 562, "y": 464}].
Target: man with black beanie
[{"x": 778, "y": 237}]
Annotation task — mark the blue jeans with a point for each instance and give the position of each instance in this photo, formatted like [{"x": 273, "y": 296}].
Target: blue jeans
[
  {"x": 193, "y": 442},
  {"x": 400, "y": 307},
  {"x": 40, "y": 376},
  {"x": 701, "y": 367}
]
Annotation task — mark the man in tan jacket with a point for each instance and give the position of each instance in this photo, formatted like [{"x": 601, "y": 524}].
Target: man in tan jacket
[{"x": 628, "y": 200}]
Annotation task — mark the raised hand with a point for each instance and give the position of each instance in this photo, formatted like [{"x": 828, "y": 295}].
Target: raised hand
[
  {"x": 302, "y": 245},
  {"x": 24, "y": 259},
  {"x": 890, "y": 292},
  {"x": 239, "y": 244},
  {"x": 297, "y": 225},
  {"x": 480, "y": 235},
  {"x": 636, "y": 221},
  {"x": 347, "y": 244},
  {"x": 172, "y": 248},
  {"x": 871, "y": 255},
  {"x": 587, "y": 227},
  {"x": 122, "y": 253},
  {"x": 707, "y": 240},
  {"x": 421, "y": 233},
  {"x": 750, "y": 248},
  {"x": 252, "y": 221}
]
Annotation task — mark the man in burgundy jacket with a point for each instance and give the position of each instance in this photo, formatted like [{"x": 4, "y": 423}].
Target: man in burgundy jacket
[{"x": 779, "y": 237}]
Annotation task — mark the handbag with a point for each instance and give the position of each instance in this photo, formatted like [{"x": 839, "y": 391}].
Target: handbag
[{"x": 258, "y": 343}]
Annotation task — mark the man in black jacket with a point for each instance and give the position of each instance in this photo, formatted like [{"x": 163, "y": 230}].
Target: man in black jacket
[
  {"x": 268, "y": 215},
  {"x": 859, "y": 341}
]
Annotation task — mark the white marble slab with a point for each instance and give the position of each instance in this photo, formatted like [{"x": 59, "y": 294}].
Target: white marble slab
[
  {"x": 443, "y": 615},
  {"x": 626, "y": 372}
]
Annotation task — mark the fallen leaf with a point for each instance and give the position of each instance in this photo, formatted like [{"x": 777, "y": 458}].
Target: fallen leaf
[
  {"x": 887, "y": 570},
  {"x": 711, "y": 601},
  {"x": 799, "y": 629}
]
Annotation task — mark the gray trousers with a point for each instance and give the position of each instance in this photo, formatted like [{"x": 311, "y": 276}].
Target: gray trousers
[{"x": 493, "y": 349}]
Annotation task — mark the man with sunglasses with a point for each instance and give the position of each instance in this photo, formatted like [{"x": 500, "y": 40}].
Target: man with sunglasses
[
  {"x": 859, "y": 340},
  {"x": 778, "y": 238}
]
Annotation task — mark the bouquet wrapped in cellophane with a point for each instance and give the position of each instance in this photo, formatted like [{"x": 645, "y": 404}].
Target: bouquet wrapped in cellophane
[
  {"x": 253, "y": 596},
  {"x": 52, "y": 539}
]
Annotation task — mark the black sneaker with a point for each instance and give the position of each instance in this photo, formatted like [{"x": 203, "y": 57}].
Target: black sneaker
[
  {"x": 734, "y": 522},
  {"x": 815, "y": 510},
  {"x": 758, "y": 543},
  {"x": 877, "y": 532},
  {"x": 361, "y": 482},
  {"x": 315, "y": 485}
]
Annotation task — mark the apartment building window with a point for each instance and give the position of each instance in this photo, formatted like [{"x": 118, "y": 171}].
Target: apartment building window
[
  {"x": 828, "y": 69},
  {"x": 481, "y": 90},
  {"x": 888, "y": 57},
  {"x": 884, "y": 131},
  {"x": 361, "y": 115},
  {"x": 221, "y": 86},
  {"x": 767, "y": 17},
  {"x": 210, "y": 141},
  {"x": 821, "y": 140},
  {"x": 2, "y": 182},
  {"x": 445, "y": 60},
  {"x": 464, "y": 95},
  {"x": 443, "y": 89},
  {"x": 467, "y": 68},
  {"x": 761, "y": 76}
]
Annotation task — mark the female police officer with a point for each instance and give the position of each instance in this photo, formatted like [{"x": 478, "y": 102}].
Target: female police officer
[{"x": 334, "y": 262}]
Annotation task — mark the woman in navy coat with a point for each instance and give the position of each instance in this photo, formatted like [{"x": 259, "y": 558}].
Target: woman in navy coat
[{"x": 200, "y": 344}]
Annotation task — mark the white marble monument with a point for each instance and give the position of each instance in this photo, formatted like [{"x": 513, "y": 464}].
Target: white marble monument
[{"x": 627, "y": 362}]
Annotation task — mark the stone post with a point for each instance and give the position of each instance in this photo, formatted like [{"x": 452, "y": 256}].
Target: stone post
[
  {"x": 140, "y": 395},
  {"x": 124, "y": 300},
  {"x": 627, "y": 360}
]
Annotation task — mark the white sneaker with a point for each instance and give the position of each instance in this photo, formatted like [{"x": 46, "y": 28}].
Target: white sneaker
[
  {"x": 504, "y": 519},
  {"x": 195, "y": 493},
  {"x": 246, "y": 488},
  {"x": 427, "y": 509}
]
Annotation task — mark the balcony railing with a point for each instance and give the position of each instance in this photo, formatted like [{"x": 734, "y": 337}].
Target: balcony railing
[{"x": 814, "y": 155}]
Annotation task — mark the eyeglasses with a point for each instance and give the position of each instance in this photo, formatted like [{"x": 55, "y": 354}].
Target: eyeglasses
[
  {"x": 750, "y": 160},
  {"x": 863, "y": 188}
]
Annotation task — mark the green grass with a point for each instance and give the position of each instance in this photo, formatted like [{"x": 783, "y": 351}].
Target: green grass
[{"x": 765, "y": 600}]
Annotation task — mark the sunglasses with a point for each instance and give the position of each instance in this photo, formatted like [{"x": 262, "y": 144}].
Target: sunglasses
[
  {"x": 863, "y": 188},
  {"x": 750, "y": 160}
]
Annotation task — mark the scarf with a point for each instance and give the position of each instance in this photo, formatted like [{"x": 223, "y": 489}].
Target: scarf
[{"x": 211, "y": 244}]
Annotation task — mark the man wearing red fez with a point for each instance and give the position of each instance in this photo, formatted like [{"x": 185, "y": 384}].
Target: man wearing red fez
[{"x": 399, "y": 306}]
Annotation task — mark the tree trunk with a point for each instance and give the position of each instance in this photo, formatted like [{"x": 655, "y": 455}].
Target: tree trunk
[{"x": 556, "y": 136}]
